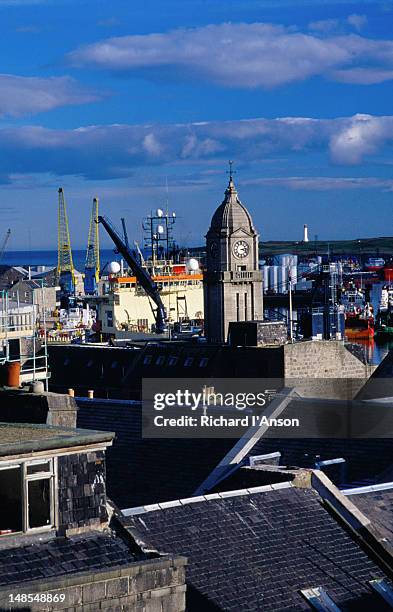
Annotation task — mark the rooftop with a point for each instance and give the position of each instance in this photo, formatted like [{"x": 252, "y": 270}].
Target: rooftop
[
  {"x": 62, "y": 556},
  {"x": 26, "y": 438},
  {"x": 256, "y": 549},
  {"x": 231, "y": 214},
  {"x": 376, "y": 502},
  {"x": 140, "y": 471}
]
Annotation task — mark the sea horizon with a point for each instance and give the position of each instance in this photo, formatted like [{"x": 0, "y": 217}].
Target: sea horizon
[{"x": 48, "y": 257}]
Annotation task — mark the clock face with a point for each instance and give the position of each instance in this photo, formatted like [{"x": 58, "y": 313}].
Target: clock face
[
  {"x": 241, "y": 249},
  {"x": 214, "y": 249}
]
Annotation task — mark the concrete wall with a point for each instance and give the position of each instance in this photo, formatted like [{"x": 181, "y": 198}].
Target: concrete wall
[
  {"x": 324, "y": 369},
  {"x": 156, "y": 585}
]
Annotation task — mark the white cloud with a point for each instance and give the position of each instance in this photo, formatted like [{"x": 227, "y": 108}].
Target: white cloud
[
  {"x": 362, "y": 76},
  {"x": 26, "y": 95},
  {"x": 151, "y": 144},
  {"x": 362, "y": 136},
  {"x": 322, "y": 183},
  {"x": 116, "y": 151},
  {"x": 357, "y": 21},
  {"x": 239, "y": 54}
]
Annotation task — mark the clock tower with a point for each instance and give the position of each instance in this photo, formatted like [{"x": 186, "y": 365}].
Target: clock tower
[{"x": 232, "y": 281}]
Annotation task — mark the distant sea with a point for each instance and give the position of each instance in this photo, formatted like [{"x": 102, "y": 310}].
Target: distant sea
[{"x": 49, "y": 258}]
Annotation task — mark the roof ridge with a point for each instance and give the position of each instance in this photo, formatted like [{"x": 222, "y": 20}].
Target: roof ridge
[
  {"x": 383, "y": 486},
  {"x": 203, "y": 498}
]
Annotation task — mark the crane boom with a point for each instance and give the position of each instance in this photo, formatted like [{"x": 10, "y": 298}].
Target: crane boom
[
  {"x": 65, "y": 265},
  {"x": 92, "y": 265},
  {"x": 123, "y": 224},
  {"x": 141, "y": 274}
]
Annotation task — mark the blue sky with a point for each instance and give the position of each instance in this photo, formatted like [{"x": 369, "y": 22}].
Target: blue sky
[{"x": 116, "y": 99}]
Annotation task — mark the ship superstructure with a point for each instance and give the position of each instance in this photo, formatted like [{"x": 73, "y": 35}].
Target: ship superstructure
[{"x": 125, "y": 305}]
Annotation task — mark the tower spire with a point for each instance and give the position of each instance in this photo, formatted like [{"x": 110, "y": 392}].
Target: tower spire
[
  {"x": 231, "y": 171},
  {"x": 231, "y": 185}
]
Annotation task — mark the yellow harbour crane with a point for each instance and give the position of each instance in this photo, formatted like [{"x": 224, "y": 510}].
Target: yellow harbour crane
[
  {"x": 65, "y": 266},
  {"x": 92, "y": 265}
]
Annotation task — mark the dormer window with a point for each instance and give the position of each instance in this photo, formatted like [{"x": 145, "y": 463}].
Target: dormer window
[{"x": 27, "y": 496}]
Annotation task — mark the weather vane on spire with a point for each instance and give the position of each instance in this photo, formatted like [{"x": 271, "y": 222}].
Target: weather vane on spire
[{"x": 231, "y": 171}]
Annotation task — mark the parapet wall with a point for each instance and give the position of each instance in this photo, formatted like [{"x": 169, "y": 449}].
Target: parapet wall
[
  {"x": 325, "y": 368},
  {"x": 150, "y": 586}
]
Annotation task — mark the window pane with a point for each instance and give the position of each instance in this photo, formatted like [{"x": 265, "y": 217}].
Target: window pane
[
  {"x": 39, "y": 467},
  {"x": 11, "y": 500},
  {"x": 39, "y": 502}
]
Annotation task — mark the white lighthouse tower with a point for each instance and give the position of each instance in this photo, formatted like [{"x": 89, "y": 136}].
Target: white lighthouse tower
[{"x": 305, "y": 233}]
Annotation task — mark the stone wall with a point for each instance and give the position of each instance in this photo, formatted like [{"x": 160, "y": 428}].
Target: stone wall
[
  {"x": 325, "y": 368},
  {"x": 156, "y": 585},
  {"x": 257, "y": 333},
  {"x": 19, "y": 406},
  {"x": 82, "y": 491}
]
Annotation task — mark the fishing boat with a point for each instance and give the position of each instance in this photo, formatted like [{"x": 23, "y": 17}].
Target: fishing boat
[
  {"x": 359, "y": 323},
  {"x": 359, "y": 317}
]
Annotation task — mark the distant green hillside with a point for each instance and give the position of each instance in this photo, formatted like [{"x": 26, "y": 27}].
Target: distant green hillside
[{"x": 361, "y": 246}]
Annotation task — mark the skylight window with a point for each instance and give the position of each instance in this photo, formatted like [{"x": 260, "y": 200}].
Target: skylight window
[
  {"x": 319, "y": 600},
  {"x": 384, "y": 588}
]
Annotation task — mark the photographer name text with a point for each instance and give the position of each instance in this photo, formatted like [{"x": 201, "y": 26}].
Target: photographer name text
[{"x": 223, "y": 421}]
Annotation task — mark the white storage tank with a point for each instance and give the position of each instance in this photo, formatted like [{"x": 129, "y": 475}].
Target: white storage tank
[
  {"x": 282, "y": 279},
  {"x": 265, "y": 272},
  {"x": 273, "y": 278}
]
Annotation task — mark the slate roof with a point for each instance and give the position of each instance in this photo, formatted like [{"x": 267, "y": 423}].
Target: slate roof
[
  {"x": 29, "y": 282},
  {"x": 366, "y": 460},
  {"x": 377, "y": 505},
  {"x": 254, "y": 551},
  {"x": 117, "y": 372},
  {"x": 143, "y": 471},
  {"x": 62, "y": 556}
]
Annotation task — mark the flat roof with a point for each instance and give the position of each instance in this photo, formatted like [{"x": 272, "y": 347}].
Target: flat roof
[{"x": 16, "y": 438}]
